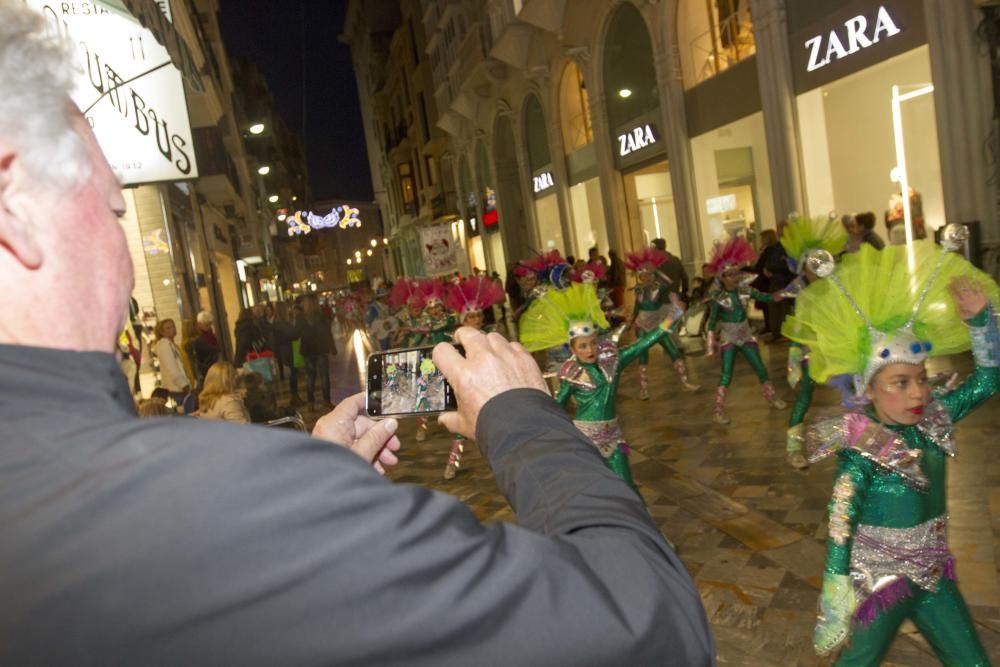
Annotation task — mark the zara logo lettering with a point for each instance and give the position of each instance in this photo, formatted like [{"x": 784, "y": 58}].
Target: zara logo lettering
[
  {"x": 635, "y": 140},
  {"x": 543, "y": 181},
  {"x": 857, "y": 39}
]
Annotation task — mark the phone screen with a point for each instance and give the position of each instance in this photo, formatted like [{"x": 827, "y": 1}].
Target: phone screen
[{"x": 406, "y": 382}]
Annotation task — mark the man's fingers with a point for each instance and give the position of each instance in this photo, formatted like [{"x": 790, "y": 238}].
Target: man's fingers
[
  {"x": 454, "y": 422},
  {"x": 371, "y": 443},
  {"x": 447, "y": 358}
]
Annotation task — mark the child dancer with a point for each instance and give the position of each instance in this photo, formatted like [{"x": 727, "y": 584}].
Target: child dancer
[
  {"x": 878, "y": 318},
  {"x": 407, "y": 294},
  {"x": 811, "y": 245},
  {"x": 469, "y": 297},
  {"x": 652, "y": 304},
  {"x": 728, "y": 309},
  {"x": 592, "y": 374}
]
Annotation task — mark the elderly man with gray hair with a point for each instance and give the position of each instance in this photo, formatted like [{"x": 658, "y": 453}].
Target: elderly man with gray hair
[{"x": 183, "y": 542}]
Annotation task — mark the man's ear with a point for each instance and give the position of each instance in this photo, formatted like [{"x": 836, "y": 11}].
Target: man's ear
[{"x": 17, "y": 232}]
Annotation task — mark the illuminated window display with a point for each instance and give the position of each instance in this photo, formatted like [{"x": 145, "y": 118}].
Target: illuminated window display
[
  {"x": 550, "y": 235},
  {"x": 733, "y": 181},
  {"x": 849, "y": 145}
]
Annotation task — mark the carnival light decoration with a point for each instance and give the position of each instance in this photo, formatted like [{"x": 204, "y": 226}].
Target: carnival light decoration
[{"x": 303, "y": 222}]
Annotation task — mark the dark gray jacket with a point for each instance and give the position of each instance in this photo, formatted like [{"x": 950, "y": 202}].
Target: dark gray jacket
[{"x": 174, "y": 541}]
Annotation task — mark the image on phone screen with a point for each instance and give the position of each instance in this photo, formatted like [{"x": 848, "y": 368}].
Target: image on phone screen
[{"x": 406, "y": 382}]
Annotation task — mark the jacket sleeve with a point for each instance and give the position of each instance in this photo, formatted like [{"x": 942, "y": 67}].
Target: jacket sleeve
[
  {"x": 309, "y": 557},
  {"x": 232, "y": 409},
  {"x": 850, "y": 486},
  {"x": 985, "y": 380}
]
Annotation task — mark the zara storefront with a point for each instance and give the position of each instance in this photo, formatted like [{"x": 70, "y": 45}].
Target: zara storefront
[{"x": 867, "y": 119}]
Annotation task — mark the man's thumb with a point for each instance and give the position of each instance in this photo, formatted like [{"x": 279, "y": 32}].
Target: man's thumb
[{"x": 371, "y": 443}]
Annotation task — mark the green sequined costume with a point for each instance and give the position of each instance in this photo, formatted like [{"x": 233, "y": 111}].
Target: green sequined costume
[
  {"x": 594, "y": 388},
  {"x": 888, "y": 518},
  {"x": 412, "y": 328},
  {"x": 727, "y": 310},
  {"x": 652, "y": 306},
  {"x": 441, "y": 329}
]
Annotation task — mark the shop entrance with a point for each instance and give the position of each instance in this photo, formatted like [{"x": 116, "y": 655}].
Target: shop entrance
[{"x": 650, "y": 201}]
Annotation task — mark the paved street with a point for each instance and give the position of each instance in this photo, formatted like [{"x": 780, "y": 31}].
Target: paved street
[{"x": 750, "y": 529}]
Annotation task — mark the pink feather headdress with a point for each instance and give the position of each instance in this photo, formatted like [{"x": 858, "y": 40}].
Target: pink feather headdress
[
  {"x": 433, "y": 291},
  {"x": 539, "y": 264},
  {"x": 733, "y": 254},
  {"x": 592, "y": 272},
  {"x": 647, "y": 259},
  {"x": 473, "y": 294},
  {"x": 407, "y": 292}
]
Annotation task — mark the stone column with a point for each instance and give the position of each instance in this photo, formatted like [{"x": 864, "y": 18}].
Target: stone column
[
  {"x": 674, "y": 130},
  {"x": 964, "y": 105},
  {"x": 777, "y": 96}
]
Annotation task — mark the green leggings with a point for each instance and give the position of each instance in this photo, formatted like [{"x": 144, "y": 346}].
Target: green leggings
[
  {"x": 942, "y": 619},
  {"x": 668, "y": 345},
  {"x": 804, "y": 399},
  {"x": 618, "y": 463},
  {"x": 750, "y": 353}
]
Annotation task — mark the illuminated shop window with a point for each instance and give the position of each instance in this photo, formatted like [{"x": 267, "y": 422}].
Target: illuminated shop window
[{"x": 713, "y": 35}]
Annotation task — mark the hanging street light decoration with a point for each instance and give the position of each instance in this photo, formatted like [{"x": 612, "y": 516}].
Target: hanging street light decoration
[{"x": 303, "y": 222}]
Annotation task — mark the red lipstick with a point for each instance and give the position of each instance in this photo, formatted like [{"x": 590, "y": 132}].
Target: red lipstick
[{"x": 917, "y": 411}]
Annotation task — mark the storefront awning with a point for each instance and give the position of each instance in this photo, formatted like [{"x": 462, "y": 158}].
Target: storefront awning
[{"x": 149, "y": 14}]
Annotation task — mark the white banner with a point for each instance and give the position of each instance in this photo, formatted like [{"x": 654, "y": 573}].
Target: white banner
[
  {"x": 129, "y": 90},
  {"x": 438, "y": 248}
]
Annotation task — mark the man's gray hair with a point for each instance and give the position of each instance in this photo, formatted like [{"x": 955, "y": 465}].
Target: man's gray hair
[{"x": 36, "y": 114}]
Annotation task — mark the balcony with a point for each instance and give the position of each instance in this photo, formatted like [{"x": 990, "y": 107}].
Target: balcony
[{"x": 219, "y": 180}]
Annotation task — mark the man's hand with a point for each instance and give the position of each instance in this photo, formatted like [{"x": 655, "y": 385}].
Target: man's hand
[
  {"x": 348, "y": 426},
  {"x": 491, "y": 366}
]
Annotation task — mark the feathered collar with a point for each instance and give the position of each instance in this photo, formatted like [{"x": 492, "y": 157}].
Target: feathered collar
[
  {"x": 881, "y": 445},
  {"x": 575, "y": 373}
]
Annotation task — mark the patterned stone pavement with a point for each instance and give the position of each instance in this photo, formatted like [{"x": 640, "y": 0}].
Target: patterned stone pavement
[{"x": 750, "y": 529}]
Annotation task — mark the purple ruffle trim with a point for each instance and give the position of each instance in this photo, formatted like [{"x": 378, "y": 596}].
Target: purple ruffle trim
[{"x": 885, "y": 598}]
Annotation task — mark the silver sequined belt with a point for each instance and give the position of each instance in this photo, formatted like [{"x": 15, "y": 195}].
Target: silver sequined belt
[
  {"x": 647, "y": 320},
  {"x": 606, "y": 435},
  {"x": 881, "y": 555},
  {"x": 735, "y": 333}
]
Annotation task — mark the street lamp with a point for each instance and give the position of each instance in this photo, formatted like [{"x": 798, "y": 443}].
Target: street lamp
[
  {"x": 257, "y": 128},
  {"x": 374, "y": 243},
  {"x": 264, "y": 170},
  {"x": 273, "y": 199},
  {"x": 369, "y": 253},
  {"x": 385, "y": 241},
  {"x": 348, "y": 262}
]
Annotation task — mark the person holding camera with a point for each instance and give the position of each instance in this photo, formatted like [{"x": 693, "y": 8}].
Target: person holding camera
[{"x": 191, "y": 542}]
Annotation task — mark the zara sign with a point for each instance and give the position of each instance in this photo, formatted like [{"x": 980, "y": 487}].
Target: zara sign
[
  {"x": 543, "y": 181},
  {"x": 636, "y": 139},
  {"x": 855, "y": 35}
]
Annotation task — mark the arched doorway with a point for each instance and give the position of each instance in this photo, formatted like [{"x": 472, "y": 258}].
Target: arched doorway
[{"x": 640, "y": 152}]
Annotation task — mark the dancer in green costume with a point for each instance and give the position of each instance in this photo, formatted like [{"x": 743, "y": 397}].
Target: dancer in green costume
[
  {"x": 592, "y": 374},
  {"x": 652, "y": 304},
  {"x": 811, "y": 245},
  {"x": 878, "y": 318},
  {"x": 469, "y": 297},
  {"x": 727, "y": 310}
]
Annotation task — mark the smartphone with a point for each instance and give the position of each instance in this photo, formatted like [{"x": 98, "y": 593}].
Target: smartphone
[{"x": 407, "y": 382}]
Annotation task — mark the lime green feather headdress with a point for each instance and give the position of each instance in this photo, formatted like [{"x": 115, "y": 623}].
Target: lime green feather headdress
[
  {"x": 875, "y": 310},
  {"x": 804, "y": 234},
  {"x": 557, "y": 316}
]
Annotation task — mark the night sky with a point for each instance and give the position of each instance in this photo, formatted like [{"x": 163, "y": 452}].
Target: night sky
[{"x": 312, "y": 80}]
